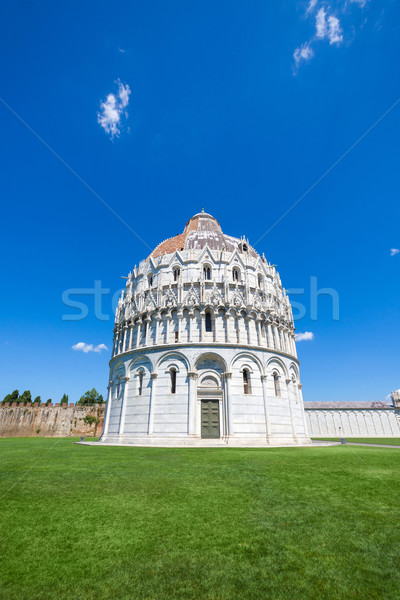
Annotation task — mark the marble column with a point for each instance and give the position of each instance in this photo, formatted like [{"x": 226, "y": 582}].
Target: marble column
[
  {"x": 294, "y": 346},
  {"x": 138, "y": 332},
  {"x": 270, "y": 340},
  {"x": 203, "y": 326},
  {"x": 123, "y": 407},
  {"x": 153, "y": 379},
  {"x": 117, "y": 341},
  {"x": 284, "y": 338},
  {"x": 108, "y": 410},
  {"x": 289, "y": 383},
  {"x": 190, "y": 333},
  {"x": 228, "y": 327},
  {"x": 192, "y": 377},
  {"x": 131, "y": 335},
  {"x": 258, "y": 331},
  {"x": 114, "y": 344},
  {"x": 148, "y": 329},
  {"x": 125, "y": 338},
  {"x": 180, "y": 318},
  {"x": 157, "y": 332},
  {"x": 168, "y": 328},
  {"x": 276, "y": 338},
  {"x": 300, "y": 396},
  {"x": 249, "y": 332},
  {"x": 215, "y": 318},
  {"x": 266, "y": 411},
  {"x": 228, "y": 404},
  {"x": 238, "y": 317}
]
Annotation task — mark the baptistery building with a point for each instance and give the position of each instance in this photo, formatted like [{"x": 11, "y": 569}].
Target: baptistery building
[{"x": 204, "y": 348}]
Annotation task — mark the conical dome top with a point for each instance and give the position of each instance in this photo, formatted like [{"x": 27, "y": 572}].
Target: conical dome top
[{"x": 202, "y": 230}]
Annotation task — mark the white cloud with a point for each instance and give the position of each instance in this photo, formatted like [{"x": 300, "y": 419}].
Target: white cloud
[
  {"x": 321, "y": 26},
  {"x": 82, "y": 347},
  {"x": 335, "y": 31},
  {"x": 100, "y": 347},
  {"x": 394, "y": 251},
  {"x": 302, "y": 337},
  {"x": 311, "y": 5},
  {"x": 361, "y": 3},
  {"x": 113, "y": 109},
  {"x": 303, "y": 53},
  {"x": 327, "y": 26}
]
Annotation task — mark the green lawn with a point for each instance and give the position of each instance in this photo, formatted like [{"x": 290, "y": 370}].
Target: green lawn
[
  {"x": 395, "y": 441},
  {"x": 81, "y": 522}
]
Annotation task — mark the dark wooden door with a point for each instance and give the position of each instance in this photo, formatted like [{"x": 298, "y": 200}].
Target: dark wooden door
[{"x": 209, "y": 419}]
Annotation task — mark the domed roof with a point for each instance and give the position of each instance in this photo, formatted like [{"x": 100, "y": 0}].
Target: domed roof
[{"x": 200, "y": 231}]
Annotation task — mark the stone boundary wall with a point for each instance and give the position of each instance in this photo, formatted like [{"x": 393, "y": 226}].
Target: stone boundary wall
[
  {"x": 50, "y": 421},
  {"x": 68, "y": 421},
  {"x": 350, "y": 422}
]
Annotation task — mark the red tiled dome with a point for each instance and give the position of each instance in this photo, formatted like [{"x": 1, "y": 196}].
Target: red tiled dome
[{"x": 200, "y": 231}]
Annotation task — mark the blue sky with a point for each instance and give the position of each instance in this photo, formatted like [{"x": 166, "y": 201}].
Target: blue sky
[{"x": 237, "y": 107}]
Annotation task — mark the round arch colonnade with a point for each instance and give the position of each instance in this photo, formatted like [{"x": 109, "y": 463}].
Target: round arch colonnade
[{"x": 166, "y": 396}]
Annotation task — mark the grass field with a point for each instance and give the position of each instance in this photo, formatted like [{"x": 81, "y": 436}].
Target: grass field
[
  {"x": 82, "y": 522},
  {"x": 386, "y": 441}
]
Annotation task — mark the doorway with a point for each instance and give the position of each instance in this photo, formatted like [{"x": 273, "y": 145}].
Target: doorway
[{"x": 210, "y": 419}]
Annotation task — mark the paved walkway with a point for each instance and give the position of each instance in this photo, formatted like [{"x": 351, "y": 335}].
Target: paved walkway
[
  {"x": 365, "y": 444},
  {"x": 375, "y": 445},
  {"x": 154, "y": 444}
]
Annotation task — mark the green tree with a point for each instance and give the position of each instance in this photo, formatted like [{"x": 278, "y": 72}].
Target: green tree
[
  {"x": 49, "y": 401},
  {"x": 25, "y": 397},
  {"x": 13, "y": 397},
  {"x": 64, "y": 399},
  {"x": 89, "y": 420},
  {"x": 38, "y": 400},
  {"x": 91, "y": 397}
]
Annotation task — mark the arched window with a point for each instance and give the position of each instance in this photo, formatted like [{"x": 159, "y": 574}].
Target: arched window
[
  {"x": 140, "y": 383},
  {"x": 172, "y": 374},
  {"x": 150, "y": 280},
  {"x": 208, "y": 321},
  {"x": 259, "y": 280},
  {"x": 207, "y": 272},
  {"x": 177, "y": 273},
  {"x": 235, "y": 274},
  {"x": 277, "y": 388},
  {"x": 246, "y": 381}
]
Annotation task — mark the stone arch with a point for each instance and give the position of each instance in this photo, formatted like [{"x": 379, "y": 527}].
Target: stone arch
[
  {"x": 210, "y": 379},
  {"x": 251, "y": 358},
  {"x": 118, "y": 381},
  {"x": 140, "y": 361},
  {"x": 208, "y": 358},
  {"x": 175, "y": 358},
  {"x": 276, "y": 364},
  {"x": 118, "y": 368},
  {"x": 294, "y": 371}
]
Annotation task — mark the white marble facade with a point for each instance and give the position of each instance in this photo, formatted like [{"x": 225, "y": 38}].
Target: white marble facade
[{"x": 204, "y": 350}]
